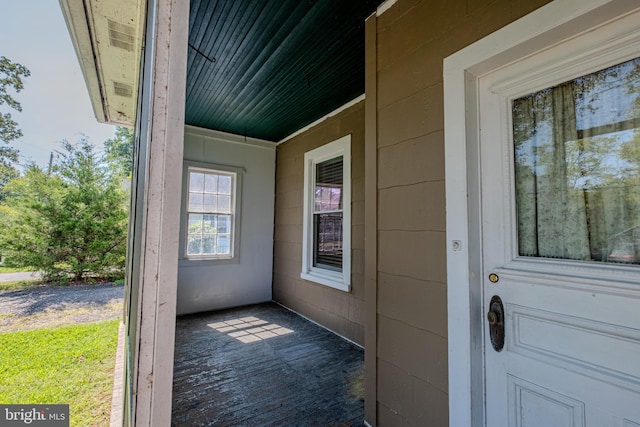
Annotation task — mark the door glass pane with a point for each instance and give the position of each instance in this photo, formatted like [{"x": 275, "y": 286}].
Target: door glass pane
[{"x": 577, "y": 168}]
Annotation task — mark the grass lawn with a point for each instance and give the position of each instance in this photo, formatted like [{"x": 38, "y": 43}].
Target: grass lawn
[
  {"x": 20, "y": 284},
  {"x": 17, "y": 285},
  {"x": 72, "y": 365}
]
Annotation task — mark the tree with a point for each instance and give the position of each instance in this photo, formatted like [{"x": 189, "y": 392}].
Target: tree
[
  {"x": 70, "y": 224},
  {"x": 31, "y": 200},
  {"x": 11, "y": 75},
  {"x": 8, "y": 156},
  {"x": 119, "y": 150}
]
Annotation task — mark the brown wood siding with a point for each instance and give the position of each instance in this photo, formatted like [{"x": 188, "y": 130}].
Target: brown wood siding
[
  {"x": 339, "y": 311},
  {"x": 413, "y": 38}
]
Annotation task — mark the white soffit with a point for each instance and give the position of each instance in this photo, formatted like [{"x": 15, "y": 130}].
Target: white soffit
[{"x": 107, "y": 37}]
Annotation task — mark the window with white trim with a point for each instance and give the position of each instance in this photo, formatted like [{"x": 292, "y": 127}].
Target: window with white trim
[
  {"x": 326, "y": 257},
  {"x": 211, "y": 210}
]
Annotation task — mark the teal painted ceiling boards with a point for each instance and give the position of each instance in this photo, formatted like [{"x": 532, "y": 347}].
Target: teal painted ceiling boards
[{"x": 266, "y": 68}]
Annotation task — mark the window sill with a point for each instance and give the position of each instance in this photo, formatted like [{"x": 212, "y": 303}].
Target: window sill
[
  {"x": 327, "y": 278},
  {"x": 203, "y": 262}
]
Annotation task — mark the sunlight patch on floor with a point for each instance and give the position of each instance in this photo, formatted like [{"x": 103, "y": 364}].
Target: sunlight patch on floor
[{"x": 250, "y": 329}]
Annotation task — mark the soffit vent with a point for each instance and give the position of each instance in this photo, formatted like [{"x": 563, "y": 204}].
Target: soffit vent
[
  {"x": 121, "y": 36},
  {"x": 122, "y": 89}
]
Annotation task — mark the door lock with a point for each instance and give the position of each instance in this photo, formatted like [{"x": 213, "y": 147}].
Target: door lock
[{"x": 495, "y": 316}]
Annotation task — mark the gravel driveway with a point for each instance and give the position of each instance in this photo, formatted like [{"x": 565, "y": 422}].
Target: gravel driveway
[{"x": 59, "y": 305}]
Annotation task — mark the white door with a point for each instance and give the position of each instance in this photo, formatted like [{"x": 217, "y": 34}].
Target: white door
[{"x": 560, "y": 184}]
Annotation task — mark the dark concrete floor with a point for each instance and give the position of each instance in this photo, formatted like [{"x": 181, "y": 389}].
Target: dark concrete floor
[{"x": 264, "y": 366}]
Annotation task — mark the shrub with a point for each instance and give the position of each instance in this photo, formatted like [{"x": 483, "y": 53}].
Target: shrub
[{"x": 70, "y": 223}]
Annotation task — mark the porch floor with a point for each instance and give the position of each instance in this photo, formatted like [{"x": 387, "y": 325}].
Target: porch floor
[{"x": 263, "y": 365}]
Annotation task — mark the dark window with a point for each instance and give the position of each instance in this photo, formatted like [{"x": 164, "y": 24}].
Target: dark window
[{"x": 327, "y": 214}]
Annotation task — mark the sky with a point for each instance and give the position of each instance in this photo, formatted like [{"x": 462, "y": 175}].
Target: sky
[{"x": 55, "y": 101}]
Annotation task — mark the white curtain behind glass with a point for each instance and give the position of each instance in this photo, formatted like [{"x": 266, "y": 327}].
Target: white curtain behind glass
[{"x": 577, "y": 156}]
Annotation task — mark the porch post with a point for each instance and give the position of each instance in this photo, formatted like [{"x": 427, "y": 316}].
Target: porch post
[
  {"x": 371, "y": 222},
  {"x": 162, "y": 118}
]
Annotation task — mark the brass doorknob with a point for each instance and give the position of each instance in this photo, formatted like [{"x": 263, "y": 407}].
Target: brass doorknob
[{"x": 492, "y": 317}]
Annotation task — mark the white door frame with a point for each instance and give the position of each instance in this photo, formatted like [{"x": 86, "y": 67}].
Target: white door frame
[{"x": 557, "y": 21}]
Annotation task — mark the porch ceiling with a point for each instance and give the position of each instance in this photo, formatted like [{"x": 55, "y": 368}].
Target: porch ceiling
[{"x": 266, "y": 68}]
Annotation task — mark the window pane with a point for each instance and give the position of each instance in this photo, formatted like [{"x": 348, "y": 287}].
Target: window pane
[
  {"x": 318, "y": 197},
  {"x": 224, "y": 184},
  {"x": 328, "y": 188},
  {"x": 224, "y": 203},
  {"x": 336, "y": 198},
  {"x": 327, "y": 251},
  {"x": 330, "y": 171},
  {"x": 196, "y": 202},
  {"x": 210, "y": 203},
  {"x": 209, "y": 224},
  {"x": 224, "y": 223},
  {"x": 209, "y": 244},
  {"x": 194, "y": 245},
  {"x": 196, "y": 181},
  {"x": 577, "y": 156},
  {"x": 224, "y": 244},
  {"x": 211, "y": 183},
  {"x": 195, "y": 224},
  {"x": 326, "y": 199}
]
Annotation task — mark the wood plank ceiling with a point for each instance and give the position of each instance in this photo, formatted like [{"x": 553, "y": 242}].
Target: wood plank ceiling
[{"x": 266, "y": 68}]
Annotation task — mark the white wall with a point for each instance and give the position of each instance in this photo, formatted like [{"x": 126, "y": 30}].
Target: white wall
[{"x": 210, "y": 285}]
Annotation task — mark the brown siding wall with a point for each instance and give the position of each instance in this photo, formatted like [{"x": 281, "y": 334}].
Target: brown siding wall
[
  {"x": 413, "y": 38},
  {"x": 339, "y": 311}
]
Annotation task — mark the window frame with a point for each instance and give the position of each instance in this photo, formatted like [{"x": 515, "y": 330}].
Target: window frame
[
  {"x": 236, "y": 195},
  {"x": 327, "y": 276}
]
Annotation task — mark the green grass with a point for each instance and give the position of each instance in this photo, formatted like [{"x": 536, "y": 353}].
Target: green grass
[
  {"x": 36, "y": 283},
  {"x": 72, "y": 365},
  {"x": 20, "y": 284}
]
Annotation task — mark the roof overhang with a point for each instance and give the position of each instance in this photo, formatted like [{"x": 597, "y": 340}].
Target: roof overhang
[
  {"x": 267, "y": 68},
  {"x": 257, "y": 68},
  {"x": 107, "y": 37}
]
